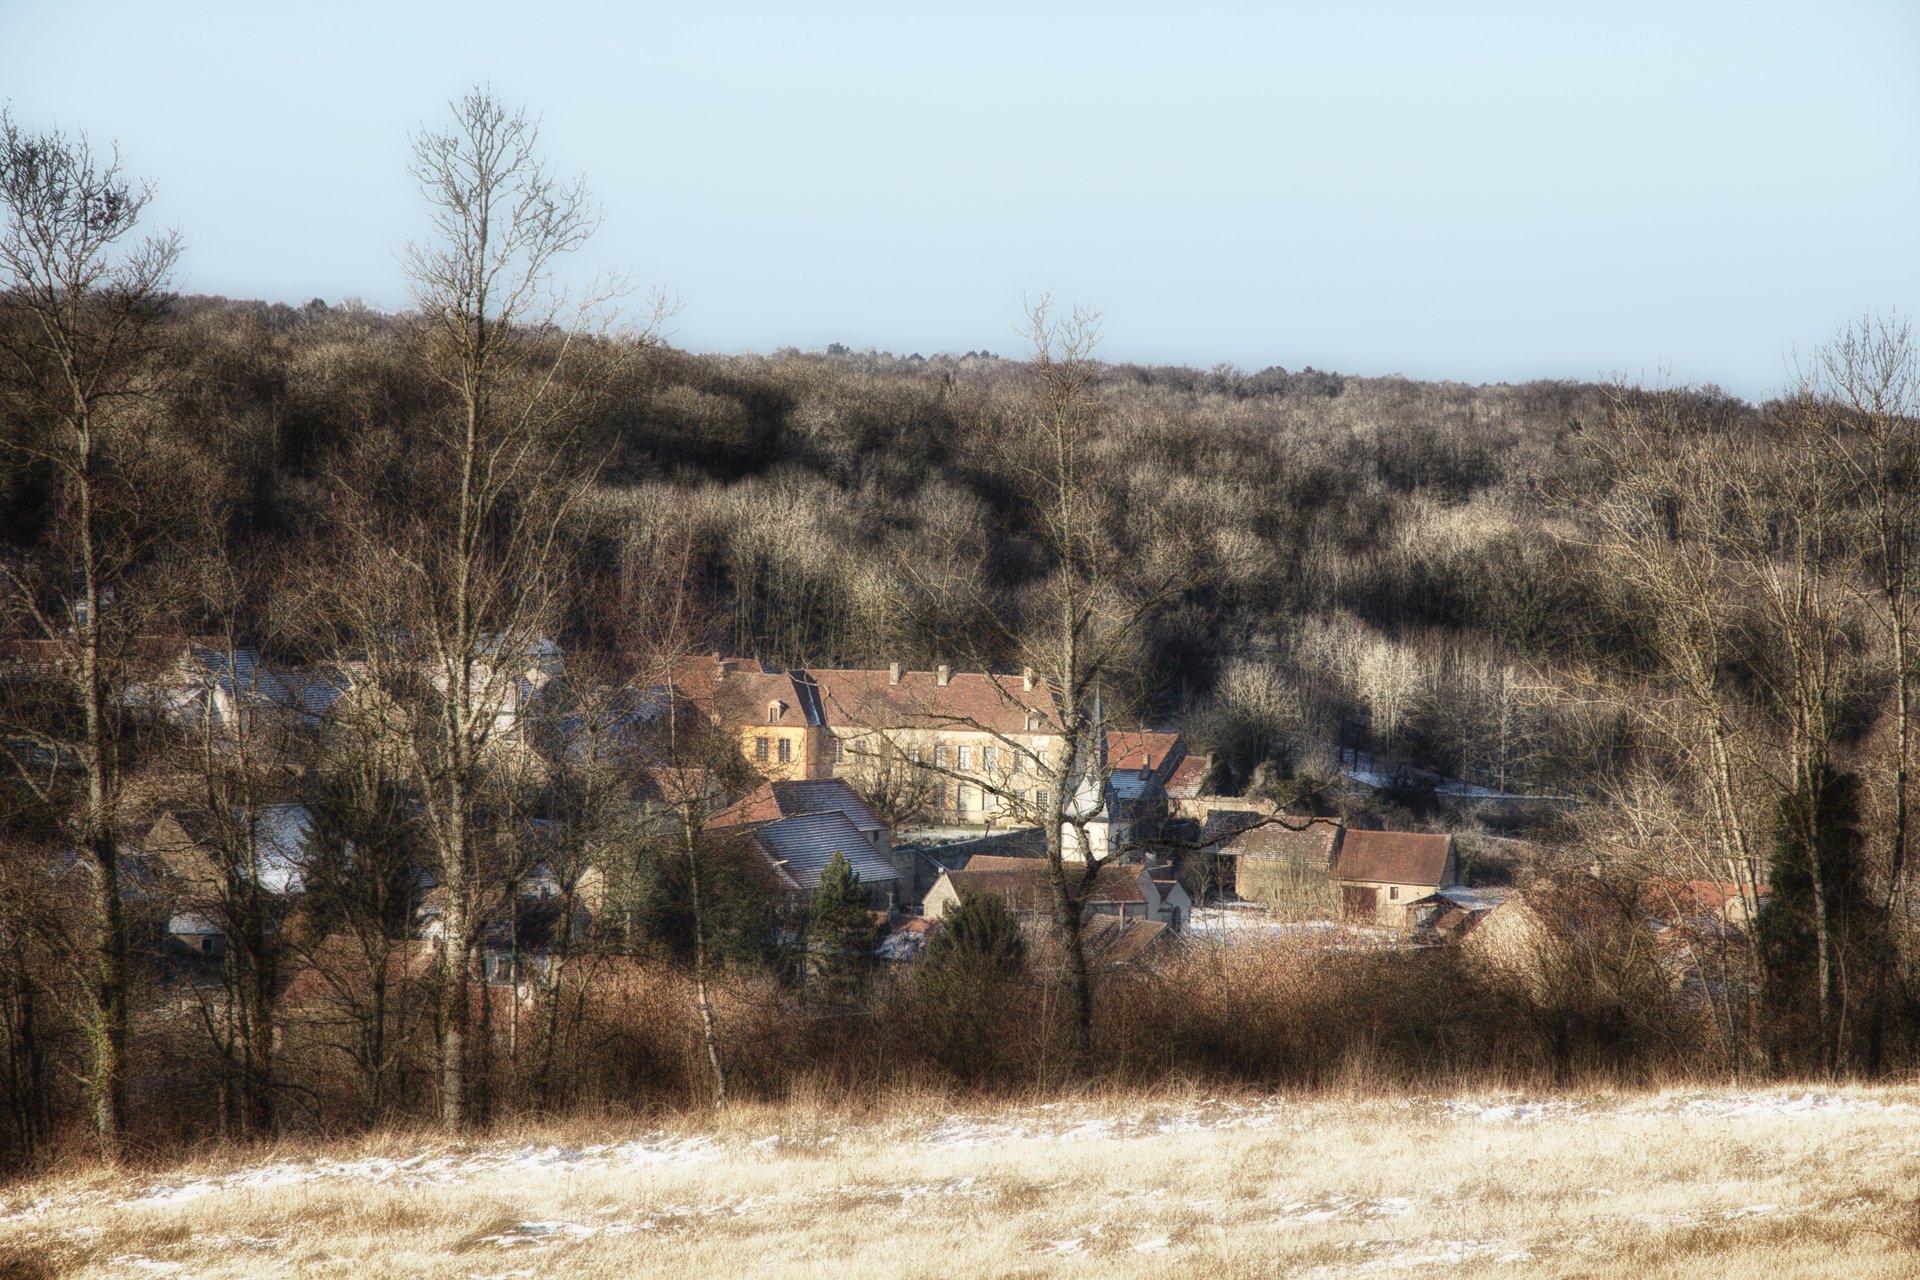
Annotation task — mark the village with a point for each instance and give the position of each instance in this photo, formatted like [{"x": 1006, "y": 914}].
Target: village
[{"x": 930, "y": 785}]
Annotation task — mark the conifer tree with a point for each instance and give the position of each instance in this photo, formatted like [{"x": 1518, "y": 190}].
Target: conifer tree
[
  {"x": 841, "y": 939},
  {"x": 966, "y": 980}
]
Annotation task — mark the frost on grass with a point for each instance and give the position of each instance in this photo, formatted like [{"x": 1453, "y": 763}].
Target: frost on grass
[{"x": 449, "y": 1168}]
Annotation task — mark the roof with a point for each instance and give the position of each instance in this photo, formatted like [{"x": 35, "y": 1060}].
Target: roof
[
  {"x": 1315, "y": 845},
  {"x": 771, "y": 801},
  {"x": 282, "y": 834},
  {"x": 859, "y": 699},
  {"x": 1114, "y": 941},
  {"x": 1185, "y": 780},
  {"x": 1141, "y": 749},
  {"x": 241, "y": 674},
  {"x": 1022, "y": 882},
  {"x": 1394, "y": 857},
  {"x": 802, "y": 846},
  {"x": 1691, "y": 897},
  {"x": 738, "y": 692}
]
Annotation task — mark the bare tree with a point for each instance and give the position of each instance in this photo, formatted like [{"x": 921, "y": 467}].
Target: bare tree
[
  {"x": 80, "y": 302},
  {"x": 459, "y": 588},
  {"x": 1865, "y": 398},
  {"x": 1078, "y": 632}
]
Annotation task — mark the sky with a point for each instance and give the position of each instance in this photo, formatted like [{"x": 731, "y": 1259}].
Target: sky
[{"x": 1483, "y": 192}]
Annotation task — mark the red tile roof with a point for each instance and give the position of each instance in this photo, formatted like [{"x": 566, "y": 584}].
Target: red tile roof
[
  {"x": 740, "y": 692},
  {"x": 1187, "y": 777},
  {"x": 1119, "y": 942},
  {"x": 1140, "y": 749},
  {"x": 857, "y": 699},
  {"x": 1316, "y": 845},
  {"x": 1022, "y": 882},
  {"x": 1691, "y": 897},
  {"x": 771, "y": 801},
  {"x": 1394, "y": 857}
]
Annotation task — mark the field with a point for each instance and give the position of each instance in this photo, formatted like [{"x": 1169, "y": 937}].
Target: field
[{"x": 1778, "y": 1184}]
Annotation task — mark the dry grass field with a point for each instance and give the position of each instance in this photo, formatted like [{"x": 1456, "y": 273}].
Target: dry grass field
[{"x": 1775, "y": 1184}]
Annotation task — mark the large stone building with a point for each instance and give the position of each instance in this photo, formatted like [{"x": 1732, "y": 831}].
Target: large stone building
[{"x": 941, "y": 747}]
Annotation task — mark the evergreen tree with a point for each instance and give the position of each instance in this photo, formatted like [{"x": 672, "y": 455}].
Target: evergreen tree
[
  {"x": 978, "y": 936},
  {"x": 841, "y": 939},
  {"x": 965, "y": 980}
]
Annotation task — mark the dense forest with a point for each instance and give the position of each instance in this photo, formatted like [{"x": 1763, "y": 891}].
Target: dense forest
[
  {"x": 1678, "y": 618},
  {"x": 1372, "y": 561}
]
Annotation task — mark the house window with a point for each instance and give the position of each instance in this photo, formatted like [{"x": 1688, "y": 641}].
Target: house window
[
  {"x": 914, "y": 755},
  {"x": 1040, "y": 798},
  {"x": 989, "y": 758},
  {"x": 986, "y": 800},
  {"x": 940, "y": 756},
  {"x": 965, "y": 795},
  {"x": 760, "y": 750},
  {"x": 939, "y": 796},
  {"x": 774, "y": 712},
  {"x": 1393, "y": 893},
  {"x": 839, "y": 750},
  {"x": 966, "y": 758},
  {"x": 786, "y": 751},
  {"x": 1033, "y": 721}
]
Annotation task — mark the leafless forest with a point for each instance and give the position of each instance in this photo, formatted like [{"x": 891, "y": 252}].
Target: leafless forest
[{"x": 1679, "y": 619}]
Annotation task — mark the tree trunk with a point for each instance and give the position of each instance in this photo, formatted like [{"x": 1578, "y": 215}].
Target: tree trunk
[
  {"x": 709, "y": 1029},
  {"x": 454, "y": 963}
]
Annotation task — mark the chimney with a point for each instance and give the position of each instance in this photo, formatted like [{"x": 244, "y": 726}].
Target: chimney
[
  {"x": 943, "y": 674},
  {"x": 1026, "y": 679},
  {"x": 893, "y": 673}
]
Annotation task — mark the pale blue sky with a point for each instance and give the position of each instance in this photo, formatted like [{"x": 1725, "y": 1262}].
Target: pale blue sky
[{"x": 1484, "y": 192}]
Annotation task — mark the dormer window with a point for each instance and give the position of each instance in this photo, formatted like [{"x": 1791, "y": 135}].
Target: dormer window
[
  {"x": 1033, "y": 722},
  {"x": 775, "y": 710}
]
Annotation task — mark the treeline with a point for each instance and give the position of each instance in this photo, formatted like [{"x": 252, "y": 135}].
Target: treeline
[{"x": 1391, "y": 535}]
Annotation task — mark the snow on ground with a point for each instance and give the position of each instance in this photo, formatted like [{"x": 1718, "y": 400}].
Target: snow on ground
[
  {"x": 1050, "y": 1122},
  {"x": 1473, "y": 899},
  {"x": 1370, "y": 773},
  {"x": 1246, "y": 922}
]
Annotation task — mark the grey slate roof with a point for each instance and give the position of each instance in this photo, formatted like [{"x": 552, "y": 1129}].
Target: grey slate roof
[
  {"x": 803, "y": 845},
  {"x": 827, "y": 795},
  {"x": 242, "y": 676}
]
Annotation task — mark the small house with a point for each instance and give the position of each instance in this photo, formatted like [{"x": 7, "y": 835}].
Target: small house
[{"x": 1380, "y": 873}]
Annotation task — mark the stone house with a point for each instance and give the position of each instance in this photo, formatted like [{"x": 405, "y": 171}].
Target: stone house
[
  {"x": 956, "y": 748},
  {"x": 1381, "y": 873},
  {"x": 1121, "y": 891},
  {"x": 1328, "y": 871},
  {"x": 776, "y": 714},
  {"x": 1288, "y": 871},
  {"x": 968, "y": 738},
  {"x": 797, "y": 825}
]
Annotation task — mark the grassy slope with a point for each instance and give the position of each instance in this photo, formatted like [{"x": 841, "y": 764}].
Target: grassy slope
[{"x": 1775, "y": 1184}]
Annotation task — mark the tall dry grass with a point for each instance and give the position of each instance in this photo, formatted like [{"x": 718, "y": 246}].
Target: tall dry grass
[{"x": 1599, "y": 1185}]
